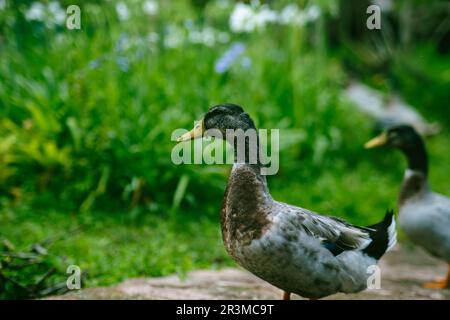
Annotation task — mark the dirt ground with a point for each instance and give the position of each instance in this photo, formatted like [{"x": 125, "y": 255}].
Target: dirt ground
[{"x": 403, "y": 271}]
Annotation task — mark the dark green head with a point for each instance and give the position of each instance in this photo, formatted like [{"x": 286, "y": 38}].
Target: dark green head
[
  {"x": 221, "y": 117},
  {"x": 406, "y": 139},
  {"x": 402, "y": 137},
  {"x": 227, "y": 116}
]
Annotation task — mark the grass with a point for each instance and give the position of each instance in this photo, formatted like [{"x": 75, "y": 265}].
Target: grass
[
  {"x": 110, "y": 247},
  {"x": 113, "y": 246},
  {"x": 86, "y": 118}
]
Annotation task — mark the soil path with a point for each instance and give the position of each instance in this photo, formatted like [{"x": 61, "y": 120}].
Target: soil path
[{"x": 403, "y": 271}]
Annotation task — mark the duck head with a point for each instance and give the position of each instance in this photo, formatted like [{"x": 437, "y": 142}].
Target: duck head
[
  {"x": 221, "y": 117},
  {"x": 406, "y": 139},
  {"x": 402, "y": 137}
]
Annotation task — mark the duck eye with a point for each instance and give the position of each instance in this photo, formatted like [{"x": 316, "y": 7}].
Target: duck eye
[{"x": 393, "y": 135}]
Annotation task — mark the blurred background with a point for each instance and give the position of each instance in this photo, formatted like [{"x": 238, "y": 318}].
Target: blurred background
[{"x": 86, "y": 118}]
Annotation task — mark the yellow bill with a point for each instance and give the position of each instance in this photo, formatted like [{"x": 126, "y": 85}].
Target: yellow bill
[
  {"x": 378, "y": 141},
  {"x": 196, "y": 132}
]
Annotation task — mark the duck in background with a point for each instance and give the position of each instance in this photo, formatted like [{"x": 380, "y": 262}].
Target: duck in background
[
  {"x": 387, "y": 110},
  {"x": 292, "y": 248},
  {"x": 423, "y": 214}
]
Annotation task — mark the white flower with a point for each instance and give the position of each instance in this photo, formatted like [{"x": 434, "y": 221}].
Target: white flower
[
  {"x": 242, "y": 18},
  {"x": 312, "y": 13},
  {"x": 172, "y": 41},
  {"x": 150, "y": 7},
  {"x": 58, "y": 13},
  {"x": 206, "y": 36},
  {"x": 35, "y": 12},
  {"x": 174, "y": 37},
  {"x": 152, "y": 37},
  {"x": 292, "y": 15},
  {"x": 51, "y": 14},
  {"x": 247, "y": 18},
  {"x": 255, "y": 3},
  {"x": 195, "y": 36},
  {"x": 264, "y": 17},
  {"x": 122, "y": 11}
]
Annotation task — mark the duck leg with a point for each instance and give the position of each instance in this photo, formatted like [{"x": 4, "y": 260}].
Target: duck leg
[
  {"x": 439, "y": 284},
  {"x": 286, "y": 295}
]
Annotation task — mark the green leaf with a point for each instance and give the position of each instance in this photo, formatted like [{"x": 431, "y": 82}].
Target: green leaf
[{"x": 180, "y": 192}]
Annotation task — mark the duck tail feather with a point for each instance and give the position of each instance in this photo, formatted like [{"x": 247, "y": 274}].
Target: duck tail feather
[{"x": 383, "y": 235}]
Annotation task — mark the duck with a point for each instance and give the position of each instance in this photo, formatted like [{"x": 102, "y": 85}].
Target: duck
[
  {"x": 388, "y": 111},
  {"x": 423, "y": 215},
  {"x": 294, "y": 249}
]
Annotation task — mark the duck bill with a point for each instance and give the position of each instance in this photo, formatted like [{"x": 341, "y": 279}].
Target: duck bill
[
  {"x": 378, "y": 141},
  {"x": 196, "y": 132}
]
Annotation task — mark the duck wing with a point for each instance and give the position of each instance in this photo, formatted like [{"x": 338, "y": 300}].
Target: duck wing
[
  {"x": 335, "y": 234},
  {"x": 436, "y": 234}
]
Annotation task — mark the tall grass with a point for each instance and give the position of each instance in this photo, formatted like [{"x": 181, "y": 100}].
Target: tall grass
[
  {"x": 86, "y": 118},
  {"x": 87, "y": 114}
]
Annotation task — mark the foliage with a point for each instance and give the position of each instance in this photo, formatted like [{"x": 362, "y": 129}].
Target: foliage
[
  {"x": 29, "y": 274},
  {"x": 86, "y": 118}
]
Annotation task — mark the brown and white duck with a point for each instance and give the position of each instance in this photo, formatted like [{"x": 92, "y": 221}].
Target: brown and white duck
[
  {"x": 423, "y": 215},
  {"x": 294, "y": 249}
]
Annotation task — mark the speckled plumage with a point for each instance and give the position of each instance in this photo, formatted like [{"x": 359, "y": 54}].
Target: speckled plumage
[
  {"x": 292, "y": 248},
  {"x": 283, "y": 244}
]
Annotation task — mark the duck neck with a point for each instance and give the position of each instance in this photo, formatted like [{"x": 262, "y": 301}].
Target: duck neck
[
  {"x": 246, "y": 145},
  {"x": 415, "y": 180},
  {"x": 414, "y": 184},
  {"x": 246, "y": 173},
  {"x": 247, "y": 177},
  {"x": 246, "y": 206},
  {"x": 417, "y": 157}
]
